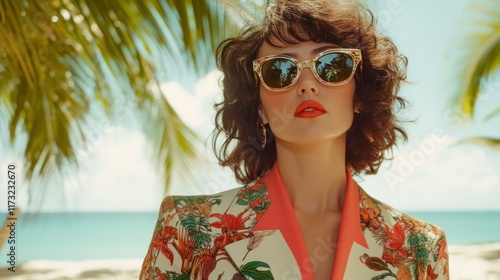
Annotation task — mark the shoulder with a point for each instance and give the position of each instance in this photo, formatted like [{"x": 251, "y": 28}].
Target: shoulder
[
  {"x": 370, "y": 206},
  {"x": 404, "y": 237},
  {"x": 241, "y": 195},
  {"x": 194, "y": 227}
]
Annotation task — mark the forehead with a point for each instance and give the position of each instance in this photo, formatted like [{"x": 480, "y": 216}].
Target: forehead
[{"x": 298, "y": 50}]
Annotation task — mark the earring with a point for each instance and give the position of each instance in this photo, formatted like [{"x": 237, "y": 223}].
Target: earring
[
  {"x": 356, "y": 110},
  {"x": 263, "y": 142}
]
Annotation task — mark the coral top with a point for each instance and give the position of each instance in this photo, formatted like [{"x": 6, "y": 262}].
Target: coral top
[{"x": 281, "y": 215}]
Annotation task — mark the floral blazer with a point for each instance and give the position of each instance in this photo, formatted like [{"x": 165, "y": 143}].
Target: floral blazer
[{"x": 219, "y": 237}]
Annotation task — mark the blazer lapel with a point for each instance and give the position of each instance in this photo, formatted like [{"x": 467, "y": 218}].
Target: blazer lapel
[
  {"x": 262, "y": 255},
  {"x": 358, "y": 262},
  {"x": 235, "y": 248},
  {"x": 257, "y": 254},
  {"x": 364, "y": 261}
]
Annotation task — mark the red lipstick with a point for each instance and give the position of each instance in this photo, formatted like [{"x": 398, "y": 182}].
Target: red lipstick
[{"x": 309, "y": 109}]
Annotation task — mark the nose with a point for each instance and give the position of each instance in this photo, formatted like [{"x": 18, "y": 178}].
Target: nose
[{"x": 307, "y": 83}]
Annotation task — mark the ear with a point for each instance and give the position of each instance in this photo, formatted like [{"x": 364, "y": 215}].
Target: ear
[
  {"x": 262, "y": 115},
  {"x": 356, "y": 106},
  {"x": 356, "y": 109}
]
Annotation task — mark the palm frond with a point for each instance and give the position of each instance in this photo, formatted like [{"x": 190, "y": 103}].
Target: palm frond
[
  {"x": 245, "y": 12},
  {"x": 64, "y": 62},
  {"x": 478, "y": 53},
  {"x": 493, "y": 113},
  {"x": 487, "y": 141}
]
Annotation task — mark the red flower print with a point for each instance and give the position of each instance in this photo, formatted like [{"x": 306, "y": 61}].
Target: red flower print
[
  {"x": 430, "y": 273},
  {"x": 396, "y": 239},
  {"x": 203, "y": 264},
  {"x": 161, "y": 240},
  {"x": 369, "y": 219},
  {"x": 222, "y": 240},
  {"x": 159, "y": 275},
  {"x": 442, "y": 253},
  {"x": 163, "y": 248},
  {"x": 388, "y": 257},
  {"x": 185, "y": 247},
  {"x": 231, "y": 225}
]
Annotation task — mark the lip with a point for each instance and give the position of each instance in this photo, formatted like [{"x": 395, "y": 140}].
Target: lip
[{"x": 309, "y": 109}]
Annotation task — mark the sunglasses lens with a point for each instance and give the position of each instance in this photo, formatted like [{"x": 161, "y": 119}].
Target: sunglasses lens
[
  {"x": 278, "y": 72},
  {"x": 334, "y": 67}
]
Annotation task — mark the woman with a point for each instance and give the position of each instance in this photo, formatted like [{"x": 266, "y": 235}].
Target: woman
[{"x": 309, "y": 100}]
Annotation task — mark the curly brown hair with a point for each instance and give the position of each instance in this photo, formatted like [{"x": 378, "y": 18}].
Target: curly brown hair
[{"x": 347, "y": 24}]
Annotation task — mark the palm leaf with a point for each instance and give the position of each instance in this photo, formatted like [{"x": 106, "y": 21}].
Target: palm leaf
[
  {"x": 65, "y": 64},
  {"x": 478, "y": 54},
  {"x": 245, "y": 12}
]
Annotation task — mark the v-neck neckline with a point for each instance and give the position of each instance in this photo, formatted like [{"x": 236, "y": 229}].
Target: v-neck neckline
[{"x": 281, "y": 215}]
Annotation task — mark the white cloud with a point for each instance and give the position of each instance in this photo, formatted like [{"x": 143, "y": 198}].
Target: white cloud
[
  {"x": 116, "y": 174},
  {"x": 196, "y": 109},
  {"x": 456, "y": 177}
]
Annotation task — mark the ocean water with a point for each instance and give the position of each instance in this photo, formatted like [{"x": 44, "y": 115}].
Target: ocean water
[
  {"x": 464, "y": 228},
  {"x": 81, "y": 236}
]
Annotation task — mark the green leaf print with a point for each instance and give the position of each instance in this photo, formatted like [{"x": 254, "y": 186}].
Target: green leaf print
[
  {"x": 184, "y": 276},
  {"x": 257, "y": 270},
  {"x": 417, "y": 240},
  {"x": 241, "y": 202}
]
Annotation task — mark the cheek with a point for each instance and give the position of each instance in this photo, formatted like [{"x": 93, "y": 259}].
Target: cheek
[
  {"x": 343, "y": 109},
  {"x": 347, "y": 96},
  {"x": 275, "y": 106},
  {"x": 342, "y": 105}
]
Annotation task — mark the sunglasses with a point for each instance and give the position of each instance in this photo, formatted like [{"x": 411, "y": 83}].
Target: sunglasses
[{"x": 331, "y": 67}]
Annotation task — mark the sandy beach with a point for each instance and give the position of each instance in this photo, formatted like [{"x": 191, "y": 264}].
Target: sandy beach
[
  {"x": 475, "y": 262},
  {"x": 471, "y": 262},
  {"x": 120, "y": 269}
]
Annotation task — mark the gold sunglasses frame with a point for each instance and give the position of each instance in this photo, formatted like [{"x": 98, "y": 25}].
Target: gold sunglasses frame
[{"x": 355, "y": 54}]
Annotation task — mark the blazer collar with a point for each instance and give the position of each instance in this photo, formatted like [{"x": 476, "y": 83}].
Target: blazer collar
[
  {"x": 254, "y": 252},
  {"x": 350, "y": 228}
]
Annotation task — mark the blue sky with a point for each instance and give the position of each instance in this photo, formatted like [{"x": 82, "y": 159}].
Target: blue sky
[{"x": 433, "y": 171}]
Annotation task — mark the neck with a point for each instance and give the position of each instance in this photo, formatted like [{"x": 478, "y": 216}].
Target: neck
[{"x": 314, "y": 175}]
